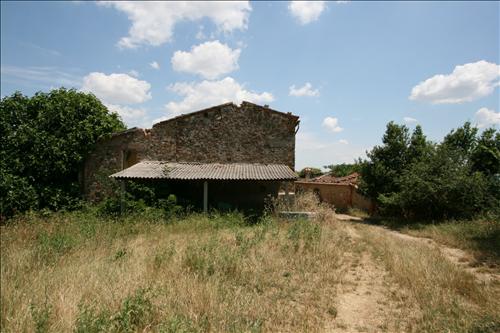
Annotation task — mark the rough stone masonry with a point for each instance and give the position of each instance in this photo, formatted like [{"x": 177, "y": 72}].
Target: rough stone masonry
[{"x": 226, "y": 133}]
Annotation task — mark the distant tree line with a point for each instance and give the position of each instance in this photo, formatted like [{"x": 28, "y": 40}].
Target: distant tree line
[
  {"x": 342, "y": 170},
  {"x": 44, "y": 140},
  {"x": 412, "y": 177}
]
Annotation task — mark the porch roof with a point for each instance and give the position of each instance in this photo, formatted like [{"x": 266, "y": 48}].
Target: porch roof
[{"x": 206, "y": 171}]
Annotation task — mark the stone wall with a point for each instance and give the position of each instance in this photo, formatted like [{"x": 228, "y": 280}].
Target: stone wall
[
  {"x": 226, "y": 134},
  {"x": 111, "y": 155},
  {"x": 341, "y": 196}
]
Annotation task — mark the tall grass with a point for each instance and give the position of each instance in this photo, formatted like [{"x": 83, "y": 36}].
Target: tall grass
[
  {"x": 481, "y": 237},
  {"x": 450, "y": 300},
  {"x": 305, "y": 201},
  {"x": 83, "y": 272}
]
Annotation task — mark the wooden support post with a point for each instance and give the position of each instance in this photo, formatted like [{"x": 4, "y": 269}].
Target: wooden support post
[
  {"x": 205, "y": 196},
  {"x": 287, "y": 195}
]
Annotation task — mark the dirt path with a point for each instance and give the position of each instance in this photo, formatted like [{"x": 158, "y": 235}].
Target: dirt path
[
  {"x": 363, "y": 303},
  {"x": 367, "y": 300},
  {"x": 457, "y": 256}
]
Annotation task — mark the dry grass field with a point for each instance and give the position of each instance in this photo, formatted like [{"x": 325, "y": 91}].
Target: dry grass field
[{"x": 78, "y": 272}]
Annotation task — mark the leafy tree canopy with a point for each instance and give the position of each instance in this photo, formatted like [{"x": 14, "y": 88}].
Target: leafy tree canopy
[
  {"x": 44, "y": 140},
  {"x": 344, "y": 169},
  {"x": 313, "y": 172},
  {"x": 410, "y": 176}
]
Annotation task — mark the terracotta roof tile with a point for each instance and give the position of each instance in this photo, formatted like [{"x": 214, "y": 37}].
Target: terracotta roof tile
[{"x": 329, "y": 179}]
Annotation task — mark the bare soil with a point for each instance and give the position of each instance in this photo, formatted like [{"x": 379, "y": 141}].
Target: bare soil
[
  {"x": 367, "y": 300},
  {"x": 457, "y": 256}
]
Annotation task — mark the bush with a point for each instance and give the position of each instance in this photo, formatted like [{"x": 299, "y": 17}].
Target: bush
[
  {"x": 170, "y": 206},
  {"x": 416, "y": 179},
  {"x": 45, "y": 139},
  {"x": 135, "y": 313},
  {"x": 18, "y": 195},
  {"x": 89, "y": 320}
]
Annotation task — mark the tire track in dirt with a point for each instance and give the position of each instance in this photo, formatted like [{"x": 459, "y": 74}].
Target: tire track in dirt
[
  {"x": 363, "y": 301},
  {"x": 459, "y": 257}
]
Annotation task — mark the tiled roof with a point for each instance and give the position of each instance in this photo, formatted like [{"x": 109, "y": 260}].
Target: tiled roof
[
  {"x": 199, "y": 171},
  {"x": 329, "y": 179}
]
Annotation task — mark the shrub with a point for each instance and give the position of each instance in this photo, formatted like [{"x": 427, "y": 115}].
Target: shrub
[
  {"x": 41, "y": 317},
  {"x": 89, "y": 320},
  {"x": 178, "y": 324},
  {"x": 44, "y": 141},
  {"x": 414, "y": 178},
  {"x": 170, "y": 207},
  {"x": 135, "y": 313}
]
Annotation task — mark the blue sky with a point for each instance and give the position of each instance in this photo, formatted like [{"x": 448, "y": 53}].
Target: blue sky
[{"x": 346, "y": 68}]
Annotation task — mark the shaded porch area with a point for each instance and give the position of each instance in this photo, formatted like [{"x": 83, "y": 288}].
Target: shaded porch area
[{"x": 242, "y": 186}]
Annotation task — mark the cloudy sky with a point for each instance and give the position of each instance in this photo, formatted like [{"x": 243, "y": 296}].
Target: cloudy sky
[{"x": 346, "y": 68}]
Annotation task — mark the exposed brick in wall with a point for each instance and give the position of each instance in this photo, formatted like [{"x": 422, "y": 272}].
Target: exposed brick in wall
[{"x": 226, "y": 134}]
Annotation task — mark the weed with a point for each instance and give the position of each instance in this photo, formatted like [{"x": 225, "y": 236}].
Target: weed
[
  {"x": 304, "y": 234},
  {"x": 164, "y": 256},
  {"x": 40, "y": 317},
  {"x": 90, "y": 320},
  {"x": 119, "y": 254},
  {"x": 135, "y": 313},
  {"x": 178, "y": 324},
  {"x": 52, "y": 245},
  {"x": 332, "y": 311}
]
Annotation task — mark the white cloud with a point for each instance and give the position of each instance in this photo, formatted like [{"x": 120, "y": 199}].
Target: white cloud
[
  {"x": 210, "y": 60},
  {"x": 40, "y": 76},
  {"x": 131, "y": 116},
  {"x": 208, "y": 93},
  {"x": 343, "y": 141},
  {"x": 153, "y": 22},
  {"x": 117, "y": 88},
  {"x": 313, "y": 151},
  {"x": 155, "y": 65},
  {"x": 133, "y": 73},
  {"x": 486, "y": 118},
  {"x": 306, "y": 90},
  {"x": 410, "y": 120},
  {"x": 306, "y": 11},
  {"x": 467, "y": 83},
  {"x": 332, "y": 124},
  {"x": 42, "y": 50}
]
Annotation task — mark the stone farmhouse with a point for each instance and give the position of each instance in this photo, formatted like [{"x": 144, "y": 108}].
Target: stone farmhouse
[{"x": 224, "y": 156}]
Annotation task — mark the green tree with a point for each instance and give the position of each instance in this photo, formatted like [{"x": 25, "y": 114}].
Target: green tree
[
  {"x": 463, "y": 140},
  {"x": 385, "y": 164},
  {"x": 43, "y": 143},
  {"x": 440, "y": 186},
  {"x": 344, "y": 169},
  {"x": 314, "y": 172},
  {"x": 419, "y": 147},
  {"x": 486, "y": 155},
  {"x": 415, "y": 178}
]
